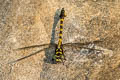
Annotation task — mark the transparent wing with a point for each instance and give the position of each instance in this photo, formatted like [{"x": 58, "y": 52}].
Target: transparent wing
[
  {"x": 33, "y": 46},
  {"x": 82, "y": 45},
  {"x": 27, "y": 56},
  {"x": 68, "y": 45}
]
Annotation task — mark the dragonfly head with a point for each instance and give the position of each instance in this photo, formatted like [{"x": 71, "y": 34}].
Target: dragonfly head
[{"x": 62, "y": 14}]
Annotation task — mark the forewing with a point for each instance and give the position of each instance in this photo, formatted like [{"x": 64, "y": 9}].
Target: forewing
[
  {"x": 82, "y": 45},
  {"x": 34, "y": 53},
  {"x": 36, "y": 46}
]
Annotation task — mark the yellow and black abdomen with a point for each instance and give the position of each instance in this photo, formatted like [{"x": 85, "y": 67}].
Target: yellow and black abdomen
[
  {"x": 59, "y": 54},
  {"x": 60, "y": 33}
]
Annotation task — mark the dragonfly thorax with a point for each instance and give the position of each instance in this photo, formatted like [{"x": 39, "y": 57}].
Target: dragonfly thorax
[{"x": 59, "y": 55}]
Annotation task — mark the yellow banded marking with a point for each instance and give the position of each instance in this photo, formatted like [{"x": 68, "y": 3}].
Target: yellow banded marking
[
  {"x": 58, "y": 60},
  {"x": 58, "y": 52},
  {"x": 60, "y": 34},
  {"x": 57, "y": 56},
  {"x": 61, "y": 29},
  {"x": 60, "y": 40},
  {"x": 60, "y": 49},
  {"x": 59, "y": 43},
  {"x": 61, "y": 24},
  {"x": 61, "y": 19},
  {"x": 56, "y": 49}
]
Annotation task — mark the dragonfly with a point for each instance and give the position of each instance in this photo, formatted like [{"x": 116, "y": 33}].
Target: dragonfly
[{"x": 58, "y": 55}]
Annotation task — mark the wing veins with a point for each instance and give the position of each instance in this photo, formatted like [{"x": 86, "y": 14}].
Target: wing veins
[
  {"x": 27, "y": 56},
  {"x": 34, "y": 46}
]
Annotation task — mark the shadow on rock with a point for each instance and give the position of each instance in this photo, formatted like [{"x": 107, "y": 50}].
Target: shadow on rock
[{"x": 49, "y": 52}]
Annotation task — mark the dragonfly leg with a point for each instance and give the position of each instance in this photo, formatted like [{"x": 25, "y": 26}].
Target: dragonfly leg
[{"x": 62, "y": 61}]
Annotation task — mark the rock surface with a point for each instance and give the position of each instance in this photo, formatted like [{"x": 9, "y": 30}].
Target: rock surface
[{"x": 27, "y": 24}]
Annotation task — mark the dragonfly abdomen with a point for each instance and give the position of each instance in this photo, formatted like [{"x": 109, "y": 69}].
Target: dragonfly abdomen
[{"x": 60, "y": 33}]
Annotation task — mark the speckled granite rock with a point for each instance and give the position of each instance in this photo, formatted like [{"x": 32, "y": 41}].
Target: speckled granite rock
[{"x": 31, "y": 23}]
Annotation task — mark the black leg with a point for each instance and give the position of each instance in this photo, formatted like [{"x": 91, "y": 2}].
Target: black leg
[{"x": 63, "y": 62}]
